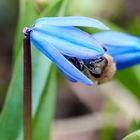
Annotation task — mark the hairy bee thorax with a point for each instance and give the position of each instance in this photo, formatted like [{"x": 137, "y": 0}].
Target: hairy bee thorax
[
  {"x": 99, "y": 70},
  {"x": 107, "y": 73}
]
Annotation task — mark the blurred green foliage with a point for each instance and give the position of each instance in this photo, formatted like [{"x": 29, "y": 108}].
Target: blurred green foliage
[{"x": 44, "y": 73}]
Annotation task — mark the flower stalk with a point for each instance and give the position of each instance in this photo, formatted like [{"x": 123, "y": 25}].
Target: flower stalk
[{"x": 27, "y": 100}]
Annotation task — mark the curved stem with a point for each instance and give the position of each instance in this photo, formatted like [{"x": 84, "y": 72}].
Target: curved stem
[{"x": 27, "y": 100}]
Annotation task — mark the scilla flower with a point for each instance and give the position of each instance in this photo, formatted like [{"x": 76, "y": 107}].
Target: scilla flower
[
  {"x": 60, "y": 41},
  {"x": 124, "y": 48}
]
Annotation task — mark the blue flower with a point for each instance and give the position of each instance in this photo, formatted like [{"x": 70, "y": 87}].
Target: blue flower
[
  {"x": 57, "y": 37},
  {"x": 124, "y": 48}
]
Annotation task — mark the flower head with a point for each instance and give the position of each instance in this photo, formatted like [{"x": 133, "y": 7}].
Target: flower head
[
  {"x": 57, "y": 38},
  {"x": 124, "y": 48}
]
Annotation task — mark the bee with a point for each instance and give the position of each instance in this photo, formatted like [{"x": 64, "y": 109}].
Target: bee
[{"x": 99, "y": 70}]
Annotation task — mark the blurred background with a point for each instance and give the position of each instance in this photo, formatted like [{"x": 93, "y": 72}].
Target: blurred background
[
  {"x": 8, "y": 22},
  {"x": 80, "y": 114}
]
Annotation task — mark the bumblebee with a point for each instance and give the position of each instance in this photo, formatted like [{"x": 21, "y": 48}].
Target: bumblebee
[{"x": 98, "y": 70}]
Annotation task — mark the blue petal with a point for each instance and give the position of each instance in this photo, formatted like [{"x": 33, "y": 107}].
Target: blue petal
[
  {"x": 54, "y": 55},
  {"x": 70, "y": 41},
  {"x": 124, "y": 48},
  {"x": 72, "y": 21},
  {"x": 117, "y": 38},
  {"x": 127, "y": 60}
]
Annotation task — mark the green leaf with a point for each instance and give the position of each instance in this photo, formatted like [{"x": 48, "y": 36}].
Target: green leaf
[
  {"x": 27, "y": 14},
  {"x": 54, "y": 10},
  {"x": 11, "y": 115},
  {"x": 62, "y": 10},
  {"x": 133, "y": 136},
  {"x": 43, "y": 120},
  {"x": 40, "y": 72},
  {"x": 51, "y": 10}
]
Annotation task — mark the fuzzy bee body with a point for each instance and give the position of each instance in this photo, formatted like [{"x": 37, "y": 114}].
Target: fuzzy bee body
[
  {"x": 108, "y": 71},
  {"x": 98, "y": 70}
]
